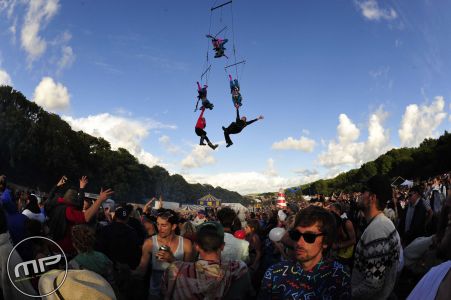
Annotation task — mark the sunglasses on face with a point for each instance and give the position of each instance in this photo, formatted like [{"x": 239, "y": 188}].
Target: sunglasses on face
[{"x": 309, "y": 237}]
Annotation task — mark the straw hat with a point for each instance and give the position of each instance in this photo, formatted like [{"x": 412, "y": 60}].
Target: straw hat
[{"x": 79, "y": 285}]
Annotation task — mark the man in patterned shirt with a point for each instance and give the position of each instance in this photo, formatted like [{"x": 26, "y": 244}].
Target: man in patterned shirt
[
  {"x": 378, "y": 251},
  {"x": 209, "y": 277},
  {"x": 312, "y": 275}
]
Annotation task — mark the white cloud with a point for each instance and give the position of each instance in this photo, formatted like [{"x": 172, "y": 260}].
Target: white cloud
[
  {"x": 305, "y": 131},
  {"x": 168, "y": 145},
  {"x": 5, "y": 79},
  {"x": 67, "y": 58},
  {"x": 306, "y": 172},
  {"x": 51, "y": 95},
  {"x": 9, "y": 6},
  {"x": 370, "y": 10},
  {"x": 420, "y": 122},
  {"x": 244, "y": 182},
  {"x": 199, "y": 156},
  {"x": 39, "y": 13},
  {"x": 347, "y": 131},
  {"x": 271, "y": 169},
  {"x": 348, "y": 151},
  {"x": 380, "y": 72},
  {"x": 120, "y": 132},
  {"x": 302, "y": 144},
  {"x": 253, "y": 181}
]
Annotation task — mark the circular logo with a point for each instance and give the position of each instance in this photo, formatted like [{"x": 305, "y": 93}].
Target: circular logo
[{"x": 33, "y": 269}]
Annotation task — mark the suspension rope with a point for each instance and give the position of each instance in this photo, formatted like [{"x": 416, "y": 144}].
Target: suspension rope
[{"x": 233, "y": 40}]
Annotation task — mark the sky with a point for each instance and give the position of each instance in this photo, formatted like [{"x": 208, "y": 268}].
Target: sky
[{"x": 338, "y": 82}]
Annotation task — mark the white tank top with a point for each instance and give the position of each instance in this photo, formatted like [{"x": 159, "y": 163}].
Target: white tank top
[{"x": 162, "y": 265}]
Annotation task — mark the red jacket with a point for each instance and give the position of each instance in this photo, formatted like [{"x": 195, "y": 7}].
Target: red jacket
[{"x": 201, "y": 123}]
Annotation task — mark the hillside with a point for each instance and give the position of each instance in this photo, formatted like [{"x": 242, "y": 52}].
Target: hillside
[
  {"x": 37, "y": 147},
  {"x": 431, "y": 158}
]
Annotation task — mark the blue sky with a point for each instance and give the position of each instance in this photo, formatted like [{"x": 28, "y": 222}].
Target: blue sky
[{"x": 339, "y": 82}]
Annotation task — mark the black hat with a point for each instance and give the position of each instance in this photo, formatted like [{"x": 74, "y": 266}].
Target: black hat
[
  {"x": 121, "y": 214},
  {"x": 380, "y": 186}
]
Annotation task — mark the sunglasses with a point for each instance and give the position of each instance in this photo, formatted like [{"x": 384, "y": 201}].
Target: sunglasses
[{"x": 309, "y": 238}]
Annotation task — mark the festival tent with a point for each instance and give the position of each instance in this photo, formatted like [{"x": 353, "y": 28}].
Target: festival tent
[
  {"x": 209, "y": 200},
  {"x": 191, "y": 207}
]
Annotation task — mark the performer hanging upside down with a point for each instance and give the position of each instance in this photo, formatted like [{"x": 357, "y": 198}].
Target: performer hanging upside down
[
  {"x": 200, "y": 126},
  {"x": 202, "y": 96},
  {"x": 237, "y": 126},
  {"x": 235, "y": 91},
  {"x": 218, "y": 46}
]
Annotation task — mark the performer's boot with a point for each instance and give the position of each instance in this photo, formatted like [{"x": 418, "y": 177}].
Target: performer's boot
[{"x": 212, "y": 146}]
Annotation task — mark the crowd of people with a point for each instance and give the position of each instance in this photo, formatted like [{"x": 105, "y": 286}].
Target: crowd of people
[{"x": 382, "y": 242}]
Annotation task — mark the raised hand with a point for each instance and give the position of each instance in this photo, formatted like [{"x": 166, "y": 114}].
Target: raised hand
[
  {"x": 104, "y": 195},
  {"x": 83, "y": 182},
  {"x": 260, "y": 117},
  {"x": 62, "y": 181}
]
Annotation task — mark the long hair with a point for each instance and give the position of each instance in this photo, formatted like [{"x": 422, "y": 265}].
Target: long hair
[{"x": 33, "y": 204}]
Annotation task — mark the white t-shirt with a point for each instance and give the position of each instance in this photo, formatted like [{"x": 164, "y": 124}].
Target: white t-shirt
[
  {"x": 235, "y": 249},
  {"x": 32, "y": 216}
]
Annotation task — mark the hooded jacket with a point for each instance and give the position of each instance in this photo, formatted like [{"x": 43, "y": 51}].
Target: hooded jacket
[{"x": 207, "y": 280}]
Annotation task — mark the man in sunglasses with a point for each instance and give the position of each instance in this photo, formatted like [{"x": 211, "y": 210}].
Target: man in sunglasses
[
  {"x": 311, "y": 275},
  {"x": 378, "y": 251}
]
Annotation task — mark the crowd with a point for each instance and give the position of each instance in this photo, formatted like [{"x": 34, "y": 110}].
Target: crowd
[{"x": 382, "y": 242}]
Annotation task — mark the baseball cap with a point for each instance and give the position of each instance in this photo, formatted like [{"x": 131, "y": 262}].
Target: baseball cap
[{"x": 121, "y": 213}]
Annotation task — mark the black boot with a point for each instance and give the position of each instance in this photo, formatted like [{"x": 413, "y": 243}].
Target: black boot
[
  {"x": 202, "y": 141},
  {"x": 213, "y": 146}
]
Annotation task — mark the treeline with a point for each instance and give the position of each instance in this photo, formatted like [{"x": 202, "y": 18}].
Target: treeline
[
  {"x": 37, "y": 148},
  {"x": 431, "y": 158}
]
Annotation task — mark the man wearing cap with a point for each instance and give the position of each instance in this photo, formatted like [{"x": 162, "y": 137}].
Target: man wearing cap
[
  {"x": 379, "y": 249},
  {"x": 413, "y": 223},
  {"x": 119, "y": 241},
  {"x": 311, "y": 275},
  {"x": 208, "y": 277}
]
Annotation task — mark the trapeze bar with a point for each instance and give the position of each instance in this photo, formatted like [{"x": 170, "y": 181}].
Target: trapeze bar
[
  {"x": 241, "y": 62},
  {"x": 219, "y": 6}
]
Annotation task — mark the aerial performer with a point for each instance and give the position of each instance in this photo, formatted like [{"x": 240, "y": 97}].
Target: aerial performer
[
  {"x": 202, "y": 96},
  {"x": 218, "y": 46},
  {"x": 235, "y": 91},
  {"x": 200, "y": 126},
  {"x": 237, "y": 126}
]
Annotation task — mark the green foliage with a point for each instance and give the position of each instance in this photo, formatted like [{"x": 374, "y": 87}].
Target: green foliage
[
  {"x": 37, "y": 148},
  {"x": 431, "y": 158}
]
